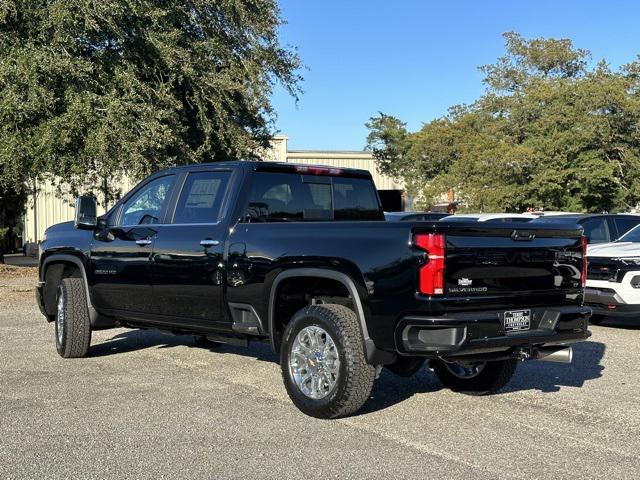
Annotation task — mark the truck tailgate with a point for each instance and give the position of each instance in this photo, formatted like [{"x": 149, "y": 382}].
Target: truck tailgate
[{"x": 510, "y": 259}]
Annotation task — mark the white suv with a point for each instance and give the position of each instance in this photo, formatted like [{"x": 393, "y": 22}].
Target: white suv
[{"x": 613, "y": 277}]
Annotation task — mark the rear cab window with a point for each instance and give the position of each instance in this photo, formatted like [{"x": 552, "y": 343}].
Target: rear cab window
[
  {"x": 596, "y": 230},
  {"x": 355, "y": 199},
  {"x": 286, "y": 197}
]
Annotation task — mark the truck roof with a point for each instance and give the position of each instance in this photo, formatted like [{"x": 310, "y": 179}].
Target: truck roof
[{"x": 265, "y": 165}]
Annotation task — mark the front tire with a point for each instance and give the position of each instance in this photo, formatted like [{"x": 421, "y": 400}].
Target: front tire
[
  {"x": 323, "y": 363},
  {"x": 72, "y": 324},
  {"x": 478, "y": 378}
]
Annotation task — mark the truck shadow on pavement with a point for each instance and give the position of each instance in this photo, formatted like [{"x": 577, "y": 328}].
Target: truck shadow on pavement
[
  {"x": 547, "y": 377},
  {"x": 621, "y": 323},
  {"x": 389, "y": 389},
  {"x": 133, "y": 340}
]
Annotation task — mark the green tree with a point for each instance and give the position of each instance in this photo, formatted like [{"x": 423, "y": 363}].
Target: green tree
[
  {"x": 12, "y": 205},
  {"x": 388, "y": 138},
  {"x": 91, "y": 89},
  {"x": 548, "y": 132}
]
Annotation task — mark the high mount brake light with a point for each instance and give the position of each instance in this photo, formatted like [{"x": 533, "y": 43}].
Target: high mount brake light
[
  {"x": 583, "y": 243},
  {"x": 309, "y": 170},
  {"x": 431, "y": 280}
]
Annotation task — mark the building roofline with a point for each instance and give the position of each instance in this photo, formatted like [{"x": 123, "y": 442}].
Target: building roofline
[
  {"x": 330, "y": 151},
  {"x": 330, "y": 154}
]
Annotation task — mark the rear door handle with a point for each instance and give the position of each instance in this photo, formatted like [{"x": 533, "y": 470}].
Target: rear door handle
[
  {"x": 207, "y": 242},
  {"x": 143, "y": 242}
]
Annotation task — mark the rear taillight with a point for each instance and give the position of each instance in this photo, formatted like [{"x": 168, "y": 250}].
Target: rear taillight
[
  {"x": 431, "y": 281},
  {"x": 583, "y": 242}
]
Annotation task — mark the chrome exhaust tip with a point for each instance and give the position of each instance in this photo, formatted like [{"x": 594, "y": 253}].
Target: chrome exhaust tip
[{"x": 555, "y": 354}]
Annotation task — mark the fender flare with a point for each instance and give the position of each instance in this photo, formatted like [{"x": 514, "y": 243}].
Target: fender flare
[
  {"x": 94, "y": 316},
  {"x": 373, "y": 354}
]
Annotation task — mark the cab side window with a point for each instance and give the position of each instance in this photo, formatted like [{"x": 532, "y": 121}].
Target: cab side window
[
  {"x": 201, "y": 197},
  {"x": 147, "y": 204},
  {"x": 276, "y": 197}
]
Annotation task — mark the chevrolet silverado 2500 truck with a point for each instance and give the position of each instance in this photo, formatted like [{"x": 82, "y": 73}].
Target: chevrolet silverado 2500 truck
[{"x": 301, "y": 257}]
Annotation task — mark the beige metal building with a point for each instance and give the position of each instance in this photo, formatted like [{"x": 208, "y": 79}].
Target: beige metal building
[{"x": 49, "y": 207}]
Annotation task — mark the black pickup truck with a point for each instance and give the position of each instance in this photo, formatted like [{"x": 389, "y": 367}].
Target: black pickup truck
[{"x": 301, "y": 257}]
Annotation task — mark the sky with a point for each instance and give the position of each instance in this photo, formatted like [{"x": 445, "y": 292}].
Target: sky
[{"x": 416, "y": 58}]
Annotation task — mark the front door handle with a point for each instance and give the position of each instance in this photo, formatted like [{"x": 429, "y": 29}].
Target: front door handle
[
  {"x": 207, "y": 242},
  {"x": 143, "y": 242}
]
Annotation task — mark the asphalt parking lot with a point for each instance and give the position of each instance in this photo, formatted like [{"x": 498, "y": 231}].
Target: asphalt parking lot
[{"x": 148, "y": 405}]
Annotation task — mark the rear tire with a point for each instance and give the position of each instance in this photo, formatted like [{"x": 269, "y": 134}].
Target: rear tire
[
  {"x": 72, "y": 324},
  {"x": 490, "y": 377},
  {"x": 323, "y": 363},
  {"x": 596, "y": 319}
]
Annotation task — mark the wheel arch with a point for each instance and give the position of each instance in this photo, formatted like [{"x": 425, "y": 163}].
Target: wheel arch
[
  {"x": 58, "y": 266},
  {"x": 372, "y": 353},
  {"x": 97, "y": 320}
]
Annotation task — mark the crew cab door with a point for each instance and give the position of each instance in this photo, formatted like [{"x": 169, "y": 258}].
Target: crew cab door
[
  {"x": 121, "y": 252},
  {"x": 188, "y": 264}
]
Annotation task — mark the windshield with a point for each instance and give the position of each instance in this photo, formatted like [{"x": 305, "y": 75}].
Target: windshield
[{"x": 632, "y": 235}]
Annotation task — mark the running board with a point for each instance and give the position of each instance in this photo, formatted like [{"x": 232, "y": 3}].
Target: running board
[{"x": 242, "y": 342}]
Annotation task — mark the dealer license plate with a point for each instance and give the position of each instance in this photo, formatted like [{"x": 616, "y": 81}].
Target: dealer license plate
[{"x": 517, "y": 320}]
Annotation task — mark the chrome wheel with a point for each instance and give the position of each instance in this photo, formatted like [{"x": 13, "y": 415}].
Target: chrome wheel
[
  {"x": 60, "y": 316},
  {"x": 314, "y": 363},
  {"x": 465, "y": 371}
]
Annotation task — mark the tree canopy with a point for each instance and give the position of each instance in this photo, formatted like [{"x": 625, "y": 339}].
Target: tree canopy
[
  {"x": 549, "y": 132},
  {"x": 90, "y": 89}
]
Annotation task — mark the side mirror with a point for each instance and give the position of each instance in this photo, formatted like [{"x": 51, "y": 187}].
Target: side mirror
[{"x": 86, "y": 213}]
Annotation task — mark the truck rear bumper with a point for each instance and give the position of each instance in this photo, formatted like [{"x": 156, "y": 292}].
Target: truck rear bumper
[{"x": 483, "y": 332}]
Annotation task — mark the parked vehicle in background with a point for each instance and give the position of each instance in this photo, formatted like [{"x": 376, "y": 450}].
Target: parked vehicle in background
[
  {"x": 490, "y": 217},
  {"x": 413, "y": 216},
  {"x": 613, "y": 277},
  {"x": 301, "y": 257},
  {"x": 551, "y": 213},
  {"x": 598, "y": 228}
]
